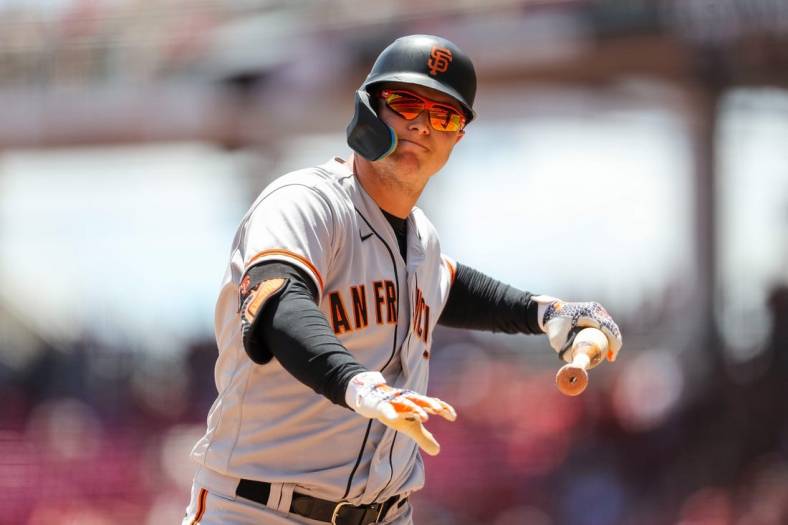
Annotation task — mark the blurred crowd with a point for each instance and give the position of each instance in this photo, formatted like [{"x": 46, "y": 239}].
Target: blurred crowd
[
  {"x": 523, "y": 453},
  {"x": 93, "y": 435}
]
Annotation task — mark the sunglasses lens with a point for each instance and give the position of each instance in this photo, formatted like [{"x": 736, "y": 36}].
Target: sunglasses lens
[
  {"x": 405, "y": 106},
  {"x": 445, "y": 119}
]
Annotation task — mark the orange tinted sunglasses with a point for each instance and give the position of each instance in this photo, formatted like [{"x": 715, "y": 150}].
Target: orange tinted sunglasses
[{"x": 409, "y": 105}]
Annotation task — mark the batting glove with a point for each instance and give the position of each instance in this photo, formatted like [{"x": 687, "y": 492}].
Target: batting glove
[
  {"x": 403, "y": 410},
  {"x": 559, "y": 319}
]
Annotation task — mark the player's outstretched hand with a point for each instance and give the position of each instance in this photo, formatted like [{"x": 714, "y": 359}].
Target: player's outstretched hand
[
  {"x": 403, "y": 410},
  {"x": 559, "y": 318}
]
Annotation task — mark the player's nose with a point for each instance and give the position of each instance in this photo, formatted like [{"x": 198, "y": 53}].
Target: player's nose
[{"x": 421, "y": 124}]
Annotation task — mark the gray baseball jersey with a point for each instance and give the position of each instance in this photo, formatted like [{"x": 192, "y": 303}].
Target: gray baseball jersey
[{"x": 265, "y": 425}]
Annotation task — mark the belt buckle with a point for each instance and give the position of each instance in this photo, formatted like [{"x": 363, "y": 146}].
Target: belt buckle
[{"x": 335, "y": 514}]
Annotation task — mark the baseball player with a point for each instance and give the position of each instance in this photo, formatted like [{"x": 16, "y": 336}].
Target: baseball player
[{"x": 327, "y": 311}]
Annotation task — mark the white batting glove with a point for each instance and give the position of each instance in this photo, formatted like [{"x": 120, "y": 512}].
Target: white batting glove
[
  {"x": 558, "y": 318},
  {"x": 403, "y": 410}
]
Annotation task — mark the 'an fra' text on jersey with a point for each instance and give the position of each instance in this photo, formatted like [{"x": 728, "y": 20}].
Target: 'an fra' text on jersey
[{"x": 384, "y": 299}]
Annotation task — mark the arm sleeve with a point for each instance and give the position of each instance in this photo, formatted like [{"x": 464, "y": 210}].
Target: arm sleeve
[
  {"x": 292, "y": 329},
  {"x": 479, "y": 302}
]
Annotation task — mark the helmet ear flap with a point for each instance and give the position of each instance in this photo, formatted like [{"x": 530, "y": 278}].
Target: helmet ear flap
[{"x": 367, "y": 134}]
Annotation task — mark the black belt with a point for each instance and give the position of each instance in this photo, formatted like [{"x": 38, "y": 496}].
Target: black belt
[{"x": 341, "y": 513}]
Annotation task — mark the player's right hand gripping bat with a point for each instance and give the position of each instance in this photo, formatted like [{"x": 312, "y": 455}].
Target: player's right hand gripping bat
[{"x": 588, "y": 348}]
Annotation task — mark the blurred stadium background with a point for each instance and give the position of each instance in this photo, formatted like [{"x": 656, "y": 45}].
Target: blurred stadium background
[{"x": 633, "y": 152}]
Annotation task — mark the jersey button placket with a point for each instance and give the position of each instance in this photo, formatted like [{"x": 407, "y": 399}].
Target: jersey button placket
[{"x": 410, "y": 337}]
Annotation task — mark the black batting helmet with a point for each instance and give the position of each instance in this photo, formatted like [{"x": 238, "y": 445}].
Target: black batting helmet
[{"x": 425, "y": 60}]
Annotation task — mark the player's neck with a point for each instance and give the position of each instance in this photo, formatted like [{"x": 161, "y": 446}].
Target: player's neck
[{"x": 387, "y": 192}]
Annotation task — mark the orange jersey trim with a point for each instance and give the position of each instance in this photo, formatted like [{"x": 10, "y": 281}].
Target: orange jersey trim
[
  {"x": 452, "y": 269},
  {"x": 303, "y": 260},
  {"x": 200, "y": 507}
]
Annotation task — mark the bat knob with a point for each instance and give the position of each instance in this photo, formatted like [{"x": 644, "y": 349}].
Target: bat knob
[
  {"x": 587, "y": 349},
  {"x": 571, "y": 380}
]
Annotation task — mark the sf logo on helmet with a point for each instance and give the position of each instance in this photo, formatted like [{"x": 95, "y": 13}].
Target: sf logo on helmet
[{"x": 439, "y": 60}]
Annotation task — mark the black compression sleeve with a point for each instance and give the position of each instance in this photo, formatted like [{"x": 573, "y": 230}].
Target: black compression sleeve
[
  {"x": 297, "y": 333},
  {"x": 479, "y": 302}
]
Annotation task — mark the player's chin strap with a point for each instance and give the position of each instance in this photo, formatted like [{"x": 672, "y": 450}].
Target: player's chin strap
[{"x": 367, "y": 134}]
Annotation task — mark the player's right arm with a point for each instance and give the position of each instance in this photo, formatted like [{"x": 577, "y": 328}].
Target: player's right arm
[
  {"x": 291, "y": 328},
  {"x": 287, "y": 248}
]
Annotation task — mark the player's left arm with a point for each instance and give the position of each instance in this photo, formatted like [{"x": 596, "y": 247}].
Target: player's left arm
[{"x": 479, "y": 302}]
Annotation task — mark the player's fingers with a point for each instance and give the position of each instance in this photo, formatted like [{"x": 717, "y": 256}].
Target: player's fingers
[
  {"x": 433, "y": 405},
  {"x": 587, "y": 322},
  {"x": 611, "y": 331},
  {"x": 430, "y": 404},
  {"x": 405, "y": 407},
  {"x": 558, "y": 332},
  {"x": 410, "y": 426},
  {"x": 614, "y": 341},
  {"x": 423, "y": 437},
  {"x": 388, "y": 411},
  {"x": 447, "y": 411}
]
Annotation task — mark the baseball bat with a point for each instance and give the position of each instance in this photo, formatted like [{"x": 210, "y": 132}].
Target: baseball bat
[{"x": 589, "y": 346}]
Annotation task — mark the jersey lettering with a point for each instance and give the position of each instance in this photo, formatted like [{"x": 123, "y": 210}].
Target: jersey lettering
[
  {"x": 379, "y": 300},
  {"x": 385, "y": 297},
  {"x": 391, "y": 302},
  {"x": 339, "y": 320},
  {"x": 359, "y": 305},
  {"x": 416, "y": 311},
  {"x": 421, "y": 317}
]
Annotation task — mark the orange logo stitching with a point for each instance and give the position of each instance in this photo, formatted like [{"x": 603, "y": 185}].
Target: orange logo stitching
[{"x": 439, "y": 60}]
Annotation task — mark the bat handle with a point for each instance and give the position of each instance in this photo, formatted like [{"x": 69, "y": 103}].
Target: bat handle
[{"x": 587, "y": 350}]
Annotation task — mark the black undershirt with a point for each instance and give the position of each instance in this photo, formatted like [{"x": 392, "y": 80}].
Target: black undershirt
[
  {"x": 400, "y": 227},
  {"x": 292, "y": 328}
]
